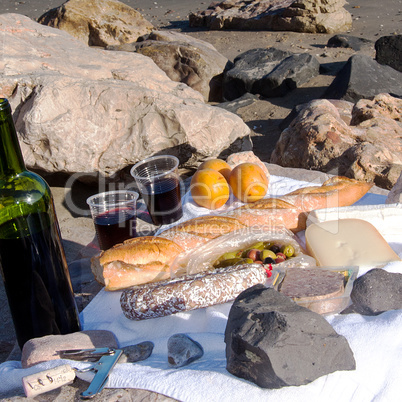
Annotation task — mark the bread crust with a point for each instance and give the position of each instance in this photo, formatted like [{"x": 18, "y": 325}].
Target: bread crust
[
  {"x": 138, "y": 260},
  {"x": 291, "y": 210},
  {"x": 209, "y": 226}
]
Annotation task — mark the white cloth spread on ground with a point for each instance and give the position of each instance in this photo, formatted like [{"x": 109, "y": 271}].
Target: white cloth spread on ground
[{"x": 376, "y": 342}]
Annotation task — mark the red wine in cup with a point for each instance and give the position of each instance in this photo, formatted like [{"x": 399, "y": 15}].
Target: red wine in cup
[
  {"x": 163, "y": 201},
  {"x": 115, "y": 226}
]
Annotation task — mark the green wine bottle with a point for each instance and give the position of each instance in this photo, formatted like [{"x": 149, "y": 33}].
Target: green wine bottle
[{"x": 32, "y": 260}]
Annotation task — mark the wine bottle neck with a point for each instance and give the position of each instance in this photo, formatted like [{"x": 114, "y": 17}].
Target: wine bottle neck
[{"x": 11, "y": 160}]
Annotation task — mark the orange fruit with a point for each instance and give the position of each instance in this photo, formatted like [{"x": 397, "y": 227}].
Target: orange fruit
[
  {"x": 249, "y": 182},
  {"x": 209, "y": 188},
  {"x": 217, "y": 164}
]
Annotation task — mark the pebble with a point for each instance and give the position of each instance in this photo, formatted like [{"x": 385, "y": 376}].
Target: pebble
[
  {"x": 183, "y": 350},
  {"x": 136, "y": 353},
  {"x": 48, "y": 347}
]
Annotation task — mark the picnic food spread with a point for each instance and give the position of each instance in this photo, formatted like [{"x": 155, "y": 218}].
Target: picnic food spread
[
  {"x": 147, "y": 259},
  {"x": 210, "y": 260}
]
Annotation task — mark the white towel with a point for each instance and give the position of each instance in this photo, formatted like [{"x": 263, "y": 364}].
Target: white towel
[{"x": 375, "y": 341}]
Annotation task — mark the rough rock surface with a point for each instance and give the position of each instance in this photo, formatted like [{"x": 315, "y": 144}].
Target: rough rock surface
[
  {"x": 183, "y": 350},
  {"x": 136, "y": 353},
  {"x": 320, "y": 16},
  {"x": 273, "y": 342},
  {"x": 349, "y": 41},
  {"x": 184, "y": 59},
  {"x": 362, "y": 77},
  {"x": 83, "y": 109},
  {"x": 368, "y": 149},
  {"x": 395, "y": 195},
  {"x": 377, "y": 291},
  {"x": 98, "y": 22},
  {"x": 268, "y": 72},
  {"x": 42, "y": 349},
  {"x": 246, "y": 157},
  {"x": 389, "y": 51}
]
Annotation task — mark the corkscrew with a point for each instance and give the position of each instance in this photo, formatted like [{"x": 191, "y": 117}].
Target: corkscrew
[{"x": 105, "y": 358}]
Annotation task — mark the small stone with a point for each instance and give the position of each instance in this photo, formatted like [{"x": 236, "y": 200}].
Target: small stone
[
  {"x": 183, "y": 350},
  {"x": 136, "y": 353},
  {"x": 348, "y": 41},
  {"x": 376, "y": 291},
  {"x": 48, "y": 347}
]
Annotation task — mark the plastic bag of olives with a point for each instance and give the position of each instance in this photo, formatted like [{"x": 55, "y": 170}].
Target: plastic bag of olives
[{"x": 250, "y": 245}]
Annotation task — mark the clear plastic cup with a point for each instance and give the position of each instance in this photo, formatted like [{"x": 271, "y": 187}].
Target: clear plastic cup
[
  {"x": 114, "y": 216},
  {"x": 158, "y": 181}
]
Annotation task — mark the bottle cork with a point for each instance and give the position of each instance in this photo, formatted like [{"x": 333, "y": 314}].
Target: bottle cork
[{"x": 44, "y": 381}]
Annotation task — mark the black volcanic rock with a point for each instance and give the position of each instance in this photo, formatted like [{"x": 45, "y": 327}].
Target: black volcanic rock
[
  {"x": 349, "y": 41},
  {"x": 389, "y": 51},
  {"x": 363, "y": 78},
  {"x": 375, "y": 292},
  {"x": 273, "y": 342},
  {"x": 268, "y": 72}
]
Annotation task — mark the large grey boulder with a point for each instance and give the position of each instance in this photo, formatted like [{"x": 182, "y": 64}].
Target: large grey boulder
[
  {"x": 98, "y": 22},
  {"x": 366, "y": 145},
  {"x": 273, "y": 342},
  {"x": 363, "y": 77},
  {"x": 184, "y": 59},
  {"x": 92, "y": 111},
  {"x": 268, "y": 72},
  {"x": 319, "y": 16}
]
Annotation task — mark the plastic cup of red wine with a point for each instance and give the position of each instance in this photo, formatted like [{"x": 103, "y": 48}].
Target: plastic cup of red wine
[
  {"x": 114, "y": 216},
  {"x": 158, "y": 181}
]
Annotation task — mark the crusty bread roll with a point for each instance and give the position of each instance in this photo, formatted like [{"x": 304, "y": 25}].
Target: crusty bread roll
[
  {"x": 188, "y": 241},
  {"x": 266, "y": 218},
  {"x": 209, "y": 226},
  {"x": 139, "y": 260},
  {"x": 291, "y": 210}
]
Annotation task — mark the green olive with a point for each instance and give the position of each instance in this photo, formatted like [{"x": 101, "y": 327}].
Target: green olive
[
  {"x": 228, "y": 256},
  {"x": 245, "y": 253},
  {"x": 267, "y": 253},
  {"x": 258, "y": 246},
  {"x": 268, "y": 244},
  {"x": 288, "y": 250}
]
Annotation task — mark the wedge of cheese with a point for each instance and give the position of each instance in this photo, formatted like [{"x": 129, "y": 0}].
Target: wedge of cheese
[{"x": 348, "y": 242}]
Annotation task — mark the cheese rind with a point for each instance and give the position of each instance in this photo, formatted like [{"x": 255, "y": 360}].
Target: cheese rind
[{"x": 348, "y": 242}]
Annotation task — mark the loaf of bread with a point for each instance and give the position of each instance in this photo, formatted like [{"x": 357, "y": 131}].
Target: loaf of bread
[
  {"x": 139, "y": 260},
  {"x": 210, "y": 226},
  {"x": 291, "y": 210},
  {"x": 190, "y": 292}
]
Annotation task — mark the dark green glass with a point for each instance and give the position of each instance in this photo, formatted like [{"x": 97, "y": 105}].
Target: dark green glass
[{"x": 32, "y": 260}]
